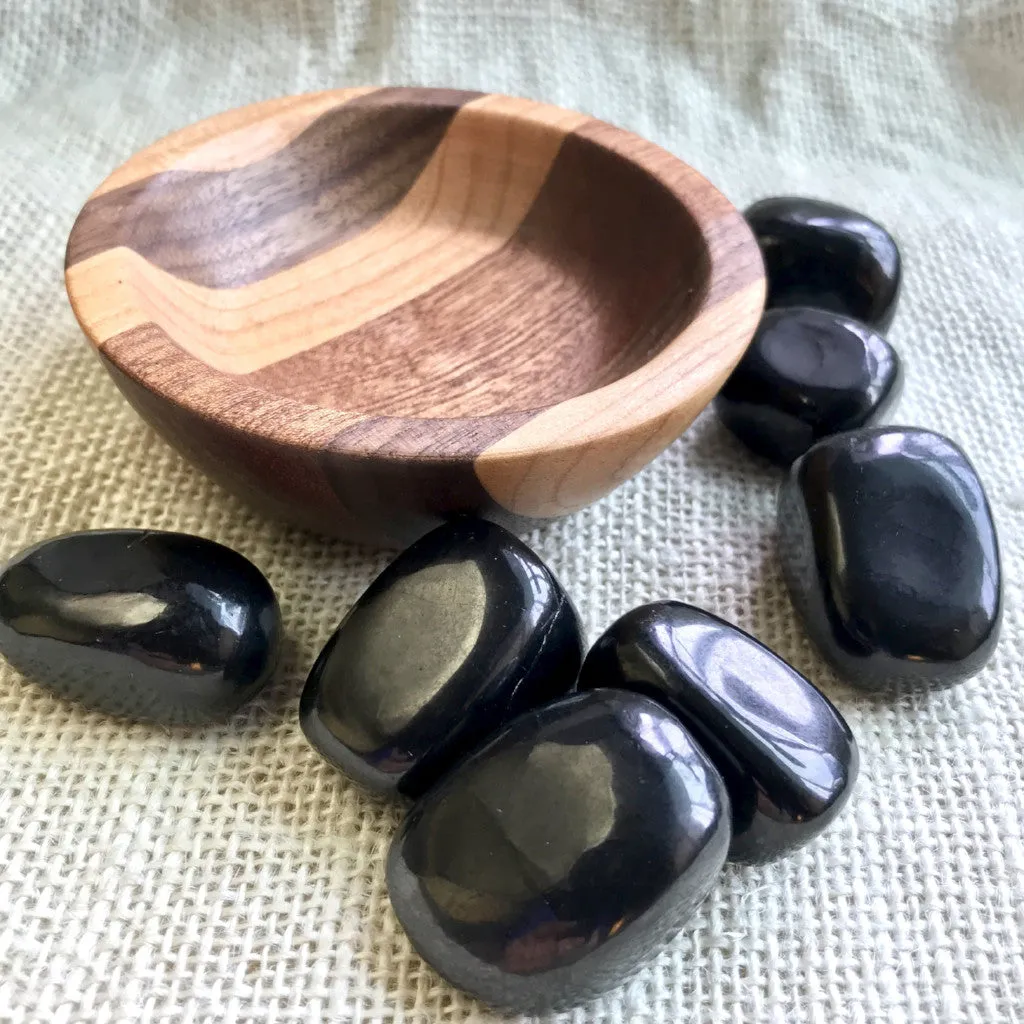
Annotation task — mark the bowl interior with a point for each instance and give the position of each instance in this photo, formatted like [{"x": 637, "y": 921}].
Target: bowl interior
[{"x": 408, "y": 254}]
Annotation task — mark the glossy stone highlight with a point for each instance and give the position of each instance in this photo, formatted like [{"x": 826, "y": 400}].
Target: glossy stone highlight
[
  {"x": 158, "y": 626},
  {"x": 463, "y": 631},
  {"x": 890, "y": 553},
  {"x": 827, "y": 256},
  {"x": 787, "y": 756},
  {"x": 557, "y": 859},
  {"x": 808, "y": 374}
]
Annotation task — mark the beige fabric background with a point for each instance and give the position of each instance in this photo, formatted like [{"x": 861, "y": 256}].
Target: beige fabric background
[{"x": 229, "y": 875}]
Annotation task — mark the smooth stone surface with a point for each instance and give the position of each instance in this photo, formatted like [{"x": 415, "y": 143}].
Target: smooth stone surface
[
  {"x": 559, "y": 858},
  {"x": 807, "y": 374},
  {"x": 890, "y": 553},
  {"x": 464, "y": 630},
  {"x": 827, "y": 256},
  {"x": 165, "y": 627},
  {"x": 788, "y": 758}
]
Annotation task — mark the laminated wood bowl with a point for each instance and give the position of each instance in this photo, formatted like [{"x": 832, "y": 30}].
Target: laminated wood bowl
[{"x": 372, "y": 309}]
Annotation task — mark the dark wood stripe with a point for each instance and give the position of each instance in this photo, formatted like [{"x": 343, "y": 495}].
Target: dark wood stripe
[
  {"x": 602, "y": 272},
  {"x": 408, "y": 477},
  {"x": 224, "y": 229}
]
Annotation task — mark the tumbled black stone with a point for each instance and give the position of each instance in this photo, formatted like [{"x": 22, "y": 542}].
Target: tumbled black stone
[
  {"x": 463, "y": 631},
  {"x": 158, "y": 626},
  {"x": 807, "y": 374},
  {"x": 555, "y": 860},
  {"x": 786, "y": 755},
  {"x": 827, "y": 256},
  {"x": 890, "y": 553}
]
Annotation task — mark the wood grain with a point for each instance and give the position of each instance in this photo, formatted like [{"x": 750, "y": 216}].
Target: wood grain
[
  {"x": 375, "y": 308},
  {"x": 228, "y": 228}
]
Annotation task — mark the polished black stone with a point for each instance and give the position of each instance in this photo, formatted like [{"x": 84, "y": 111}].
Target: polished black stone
[
  {"x": 890, "y": 553},
  {"x": 807, "y": 374},
  {"x": 788, "y": 758},
  {"x": 558, "y": 858},
  {"x": 158, "y": 626},
  {"x": 827, "y": 256},
  {"x": 463, "y": 631}
]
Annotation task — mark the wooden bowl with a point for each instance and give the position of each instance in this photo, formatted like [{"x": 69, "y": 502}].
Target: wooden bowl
[{"x": 372, "y": 309}]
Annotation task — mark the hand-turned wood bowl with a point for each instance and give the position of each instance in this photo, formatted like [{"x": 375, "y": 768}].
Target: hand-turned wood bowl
[{"x": 372, "y": 309}]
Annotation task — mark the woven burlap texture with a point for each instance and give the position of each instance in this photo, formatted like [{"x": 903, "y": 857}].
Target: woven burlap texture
[{"x": 229, "y": 875}]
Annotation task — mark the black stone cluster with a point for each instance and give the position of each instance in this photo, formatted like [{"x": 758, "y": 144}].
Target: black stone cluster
[
  {"x": 570, "y": 809},
  {"x": 885, "y": 534}
]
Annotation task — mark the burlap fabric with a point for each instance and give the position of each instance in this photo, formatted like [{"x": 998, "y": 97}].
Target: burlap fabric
[{"x": 229, "y": 875}]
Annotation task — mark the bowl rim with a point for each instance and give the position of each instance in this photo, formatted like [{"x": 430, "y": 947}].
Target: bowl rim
[{"x": 631, "y": 418}]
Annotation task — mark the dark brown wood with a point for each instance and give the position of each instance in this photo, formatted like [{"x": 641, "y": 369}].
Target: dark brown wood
[{"x": 411, "y": 303}]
